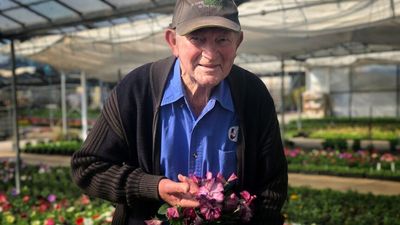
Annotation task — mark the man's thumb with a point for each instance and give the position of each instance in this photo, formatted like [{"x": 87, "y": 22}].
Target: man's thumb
[{"x": 183, "y": 187}]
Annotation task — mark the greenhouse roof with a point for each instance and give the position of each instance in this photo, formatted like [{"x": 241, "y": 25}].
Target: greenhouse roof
[
  {"x": 273, "y": 30},
  {"x": 24, "y": 19}
]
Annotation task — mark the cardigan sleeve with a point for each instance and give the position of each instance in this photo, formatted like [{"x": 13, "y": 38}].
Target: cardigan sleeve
[
  {"x": 273, "y": 192},
  {"x": 266, "y": 170},
  {"x": 100, "y": 168}
]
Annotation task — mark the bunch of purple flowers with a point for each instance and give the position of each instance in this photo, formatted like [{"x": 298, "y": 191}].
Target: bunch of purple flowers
[{"x": 219, "y": 204}]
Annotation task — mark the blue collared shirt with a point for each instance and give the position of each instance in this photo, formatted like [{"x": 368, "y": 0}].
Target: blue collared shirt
[{"x": 194, "y": 146}]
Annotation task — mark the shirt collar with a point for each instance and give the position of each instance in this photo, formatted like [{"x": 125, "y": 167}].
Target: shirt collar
[
  {"x": 174, "y": 90},
  {"x": 222, "y": 94}
]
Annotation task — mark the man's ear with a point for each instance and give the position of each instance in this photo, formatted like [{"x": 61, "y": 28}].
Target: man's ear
[{"x": 170, "y": 37}]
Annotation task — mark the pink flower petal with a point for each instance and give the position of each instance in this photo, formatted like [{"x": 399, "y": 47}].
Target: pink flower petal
[
  {"x": 172, "y": 213},
  {"x": 232, "y": 177},
  {"x": 153, "y": 222}
]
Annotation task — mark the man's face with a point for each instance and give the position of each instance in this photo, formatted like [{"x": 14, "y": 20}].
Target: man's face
[{"x": 206, "y": 55}]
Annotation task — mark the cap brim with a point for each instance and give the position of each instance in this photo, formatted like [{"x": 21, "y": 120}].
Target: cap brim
[{"x": 203, "y": 22}]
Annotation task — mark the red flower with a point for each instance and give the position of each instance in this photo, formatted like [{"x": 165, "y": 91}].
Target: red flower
[
  {"x": 95, "y": 216},
  {"x": 3, "y": 198},
  {"x": 43, "y": 207},
  {"x": 61, "y": 219},
  {"x": 79, "y": 221},
  {"x": 85, "y": 200},
  {"x": 57, "y": 206},
  {"x": 6, "y": 207},
  {"x": 26, "y": 199},
  {"x": 49, "y": 221}
]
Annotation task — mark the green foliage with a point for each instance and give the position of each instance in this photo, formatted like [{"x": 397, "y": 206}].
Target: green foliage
[
  {"x": 53, "y": 148},
  {"x": 306, "y": 206},
  {"x": 340, "y": 144},
  {"x": 44, "y": 113},
  {"x": 346, "y": 128}
]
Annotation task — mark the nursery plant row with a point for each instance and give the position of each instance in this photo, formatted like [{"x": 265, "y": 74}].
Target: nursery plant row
[
  {"x": 355, "y": 129},
  {"x": 48, "y": 196},
  {"x": 350, "y": 163},
  {"x": 362, "y": 163}
]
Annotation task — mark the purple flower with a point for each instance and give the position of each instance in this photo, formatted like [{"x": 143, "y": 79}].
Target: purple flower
[
  {"x": 14, "y": 192},
  {"x": 215, "y": 196},
  {"x": 231, "y": 202},
  {"x": 51, "y": 198},
  {"x": 197, "y": 221},
  {"x": 232, "y": 177},
  {"x": 345, "y": 155},
  {"x": 210, "y": 209},
  {"x": 220, "y": 178},
  {"x": 189, "y": 213},
  {"x": 247, "y": 197},
  {"x": 172, "y": 213},
  {"x": 245, "y": 212},
  {"x": 212, "y": 189}
]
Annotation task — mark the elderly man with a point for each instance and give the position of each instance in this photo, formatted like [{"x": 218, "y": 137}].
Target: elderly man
[{"x": 189, "y": 114}]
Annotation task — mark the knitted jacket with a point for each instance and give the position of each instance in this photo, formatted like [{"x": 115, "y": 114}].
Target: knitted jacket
[{"x": 120, "y": 159}]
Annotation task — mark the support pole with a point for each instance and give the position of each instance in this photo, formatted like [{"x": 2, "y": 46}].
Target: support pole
[
  {"x": 84, "y": 106},
  {"x": 398, "y": 92},
  {"x": 15, "y": 122},
  {"x": 64, "y": 105},
  {"x": 282, "y": 125}
]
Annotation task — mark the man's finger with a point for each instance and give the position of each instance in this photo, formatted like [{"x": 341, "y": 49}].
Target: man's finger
[
  {"x": 184, "y": 202},
  {"x": 182, "y": 178},
  {"x": 175, "y": 187},
  {"x": 193, "y": 188}
]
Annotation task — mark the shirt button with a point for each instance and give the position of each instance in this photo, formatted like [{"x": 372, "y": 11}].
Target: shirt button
[{"x": 195, "y": 155}]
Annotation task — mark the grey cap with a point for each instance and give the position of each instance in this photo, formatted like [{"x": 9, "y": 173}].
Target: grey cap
[{"x": 190, "y": 15}]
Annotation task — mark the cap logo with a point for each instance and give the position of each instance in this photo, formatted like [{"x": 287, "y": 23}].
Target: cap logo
[
  {"x": 213, "y": 2},
  {"x": 208, "y": 4}
]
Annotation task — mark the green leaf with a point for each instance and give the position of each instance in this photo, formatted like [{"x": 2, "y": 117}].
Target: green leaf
[
  {"x": 163, "y": 209},
  {"x": 176, "y": 222}
]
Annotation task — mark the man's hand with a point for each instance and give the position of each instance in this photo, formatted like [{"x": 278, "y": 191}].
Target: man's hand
[
  {"x": 193, "y": 187},
  {"x": 178, "y": 193}
]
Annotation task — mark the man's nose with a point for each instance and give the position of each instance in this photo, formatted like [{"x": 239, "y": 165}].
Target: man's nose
[{"x": 209, "y": 50}]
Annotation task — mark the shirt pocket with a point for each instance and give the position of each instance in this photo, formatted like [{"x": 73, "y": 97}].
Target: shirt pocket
[{"x": 227, "y": 162}]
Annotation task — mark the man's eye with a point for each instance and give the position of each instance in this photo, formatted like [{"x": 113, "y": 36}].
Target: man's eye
[
  {"x": 223, "y": 40},
  {"x": 195, "y": 39}
]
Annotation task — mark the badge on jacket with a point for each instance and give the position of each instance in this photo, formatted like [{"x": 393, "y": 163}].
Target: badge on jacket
[{"x": 233, "y": 133}]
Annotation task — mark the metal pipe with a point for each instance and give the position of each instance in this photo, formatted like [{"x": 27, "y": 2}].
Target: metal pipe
[
  {"x": 15, "y": 121},
  {"x": 63, "y": 105},
  {"x": 282, "y": 125},
  {"x": 84, "y": 106}
]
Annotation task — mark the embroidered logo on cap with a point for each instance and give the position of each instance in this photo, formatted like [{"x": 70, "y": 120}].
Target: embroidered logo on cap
[
  {"x": 233, "y": 133},
  {"x": 213, "y": 2}
]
